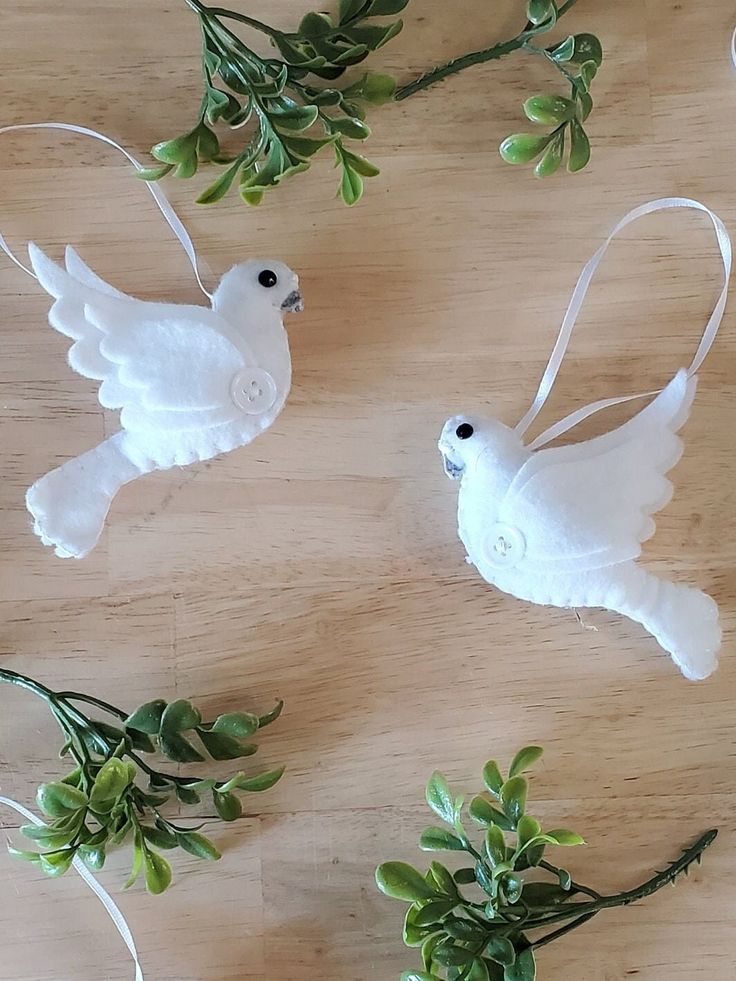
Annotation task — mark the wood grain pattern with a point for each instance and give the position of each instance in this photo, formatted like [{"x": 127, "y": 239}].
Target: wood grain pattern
[{"x": 321, "y": 563}]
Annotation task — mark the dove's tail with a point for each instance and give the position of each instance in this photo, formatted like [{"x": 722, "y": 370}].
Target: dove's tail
[
  {"x": 684, "y": 620},
  {"x": 69, "y": 505}
]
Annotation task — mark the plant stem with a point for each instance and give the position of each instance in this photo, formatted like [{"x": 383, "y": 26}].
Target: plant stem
[
  {"x": 576, "y": 886},
  {"x": 473, "y": 58},
  {"x": 561, "y": 931},
  {"x": 205, "y": 11},
  {"x": 91, "y": 700},
  {"x": 583, "y": 911}
]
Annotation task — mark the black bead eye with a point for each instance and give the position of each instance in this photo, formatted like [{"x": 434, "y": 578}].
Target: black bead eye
[
  {"x": 464, "y": 430},
  {"x": 268, "y": 278}
]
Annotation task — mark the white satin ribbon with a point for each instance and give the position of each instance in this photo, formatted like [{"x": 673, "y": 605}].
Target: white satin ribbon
[
  {"x": 162, "y": 202},
  {"x": 563, "y": 338},
  {"x": 104, "y": 897}
]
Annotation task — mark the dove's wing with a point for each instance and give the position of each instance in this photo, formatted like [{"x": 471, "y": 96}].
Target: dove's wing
[
  {"x": 589, "y": 505},
  {"x": 167, "y": 366}
]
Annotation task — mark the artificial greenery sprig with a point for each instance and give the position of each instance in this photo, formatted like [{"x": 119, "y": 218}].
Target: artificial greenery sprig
[
  {"x": 292, "y": 110},
  {"x": 291, "y": 118},
  {"x": 101, "y": 802},
  {"x": 493, "y": 936},
  {"x": 577, "y": 58}
]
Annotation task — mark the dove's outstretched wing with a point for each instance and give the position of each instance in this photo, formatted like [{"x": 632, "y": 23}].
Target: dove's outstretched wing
[
  {"x": 166, "y": 366},
  {"x": 589, "y": 505}
]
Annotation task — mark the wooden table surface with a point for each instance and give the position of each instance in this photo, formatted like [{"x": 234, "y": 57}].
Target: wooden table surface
[{"x": 321, "y": 564}]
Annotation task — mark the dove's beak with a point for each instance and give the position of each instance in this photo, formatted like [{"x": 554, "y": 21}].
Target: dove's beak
[
  {"x": 294, "y": 302},
  {"x": 453, "y": 468}
]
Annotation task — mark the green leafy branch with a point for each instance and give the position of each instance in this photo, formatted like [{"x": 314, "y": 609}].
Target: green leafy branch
[
  {"x": 101, "y": 802},
  {"x": 493, "y": 936},
  {"x": 577, "y": 59},
  {"x": 289, "y": 117}
]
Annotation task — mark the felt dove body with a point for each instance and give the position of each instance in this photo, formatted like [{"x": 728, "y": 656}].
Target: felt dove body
[
  {"x": 191, "y": 382},
  {"x": 564, "y": 525}
]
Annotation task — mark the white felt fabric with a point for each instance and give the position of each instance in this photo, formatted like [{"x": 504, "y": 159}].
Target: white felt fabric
[
  {"x": 564, "y": 526},
  {"x": 191, "y": 382}
]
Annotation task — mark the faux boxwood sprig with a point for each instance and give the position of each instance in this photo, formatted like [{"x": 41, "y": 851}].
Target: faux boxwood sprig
[
  {"x": 114, "y": 796},
  {"x": 290, "y": 112},
  {"x": 290, "y": 107},
  {"x": 513, "y": 911}
]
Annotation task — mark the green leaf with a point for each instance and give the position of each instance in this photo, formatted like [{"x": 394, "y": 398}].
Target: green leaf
[
  {"x": 579, "y": 147},
  {"x": 263, "y": 781},
  {"x": 450, "y": 955},
  {"x": 179, "y": 716},
  {"x": 501, "y": 950},
  {"x": 485, "y": 814},
  {"x": 428, "y": 948},
  {"x": 269, "y": 717},
  {"x": 140, "y": 741},
  {"x": 527, "y": 828},
  {"x": 443, "y": 879},
  {"x": 513, "y": 886},
  {"x": 92, "y": 856},
  {"x": 386, "y": 8},
  {"x": 551, "y": 159},
  {"x": 351, "y": 186},
  {"x": 565, "y": 880},
  {"x": 56, "y": 863},
  {"x": 59, "y": 799},
  {"x": 158, "y": 873},
  {"x": 588, "y": 72},
  {"x": 110, "y": 783},
  {"x": 350, "y": 127},
  {"x": 176, "y": 151},
  {"x": 228, "y": 806},
  {"x": 359, "y": 164},
  {"x": 513, "y": 798},
  {"x": 305, "y": 148},
  {"x": 417, "y": 976},
  {"x": 159, "y": 837},
  {"x": 587, "y": 48},
  {"x": 440, "y": 798},
  {"x": 521, "y": 148},
  {"x": 401, "y": 881},
  {"x": 464, "y": 877},
  {"x": 349, "y": 8},
  {"x": 434, "y": 911},
  {"x": 295, "y": 118},
  {"x": 438, "y": 840},
  {"x": 373, "y": 87},
  {"x": 560, "y": 836},
  {"x": 479, "y": 971},
  {"x": 219, "y": 188},
  {"x": 187, "y": 795},
  {"x": 565, "y": 50},
  {"x": 483, "y": 879},
  {"x": 495, "y": 845},
  {"x": 24, "y": 856},
  {"x": 492, "y": 778},
  {"x": 208, "y": 145},
  {"x": 413, "y": 935},
  {"x": 53, "y": 836},
  {"x": 539, "y": 11},
  {"x": 548, "y": 110},
  {"x": 178, "y": 748},
  {"x": 154, "y": 174},
  {"x": 523, "y": 969},
  {"x": 147, "y": 718},
  {"x": 544, "y": 894},
  {"x": 198, "y": 845},
  {"x": 224, "y": 747}
]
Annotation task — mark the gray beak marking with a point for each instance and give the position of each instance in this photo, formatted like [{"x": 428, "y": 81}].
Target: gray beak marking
[
  {"x": 294, "y": 303},
  {"x": 453, "y": 470}
]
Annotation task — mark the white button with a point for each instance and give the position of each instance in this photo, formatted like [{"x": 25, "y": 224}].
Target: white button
[
  {"x": 505, "y": 546},
  {"x": 253, "y": 390}
]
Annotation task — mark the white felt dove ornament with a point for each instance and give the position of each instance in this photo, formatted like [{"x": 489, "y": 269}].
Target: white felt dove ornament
[
  {"x": 564, "y": 526},
  {"x": 191, "y": 382}
]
